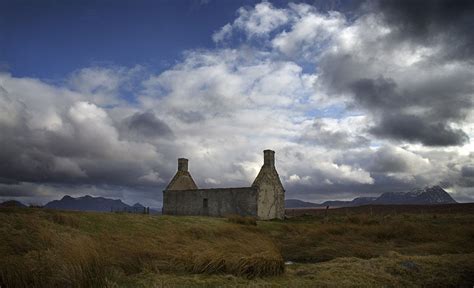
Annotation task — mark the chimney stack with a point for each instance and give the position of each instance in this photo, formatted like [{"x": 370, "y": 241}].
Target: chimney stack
[
  {"x": 183, "y": 164},
  {"x": 269, "y": 158}
]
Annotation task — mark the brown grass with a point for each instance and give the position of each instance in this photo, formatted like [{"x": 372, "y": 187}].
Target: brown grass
[
  {"x": 244, "y": 220},
  {"x": 44, "y": 248},
  {"x": 318, "y": 238},
  {"x": 390, "y": 270}
]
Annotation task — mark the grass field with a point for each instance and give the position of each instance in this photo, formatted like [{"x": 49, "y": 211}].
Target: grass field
[{"x": 364, "y": 247}]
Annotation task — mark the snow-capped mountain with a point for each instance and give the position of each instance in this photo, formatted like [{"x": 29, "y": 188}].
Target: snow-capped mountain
[
  {"x": 423, "y": 196},
  {"x": 420, "y": 196}
]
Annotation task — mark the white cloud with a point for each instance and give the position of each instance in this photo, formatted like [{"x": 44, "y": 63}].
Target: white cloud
[
  {"x": 254, "y": 22},
  {"x": 222, "y": 34},
  {"x": 344, "y": 173},
  {"x": 309, "y": 34}
]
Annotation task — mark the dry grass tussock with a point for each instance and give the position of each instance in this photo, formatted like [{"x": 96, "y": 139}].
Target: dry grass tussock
[{"x": 43, "y": 248}]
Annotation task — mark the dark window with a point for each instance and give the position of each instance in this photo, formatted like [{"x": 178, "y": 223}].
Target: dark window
[{"x": 204, "y": 203}]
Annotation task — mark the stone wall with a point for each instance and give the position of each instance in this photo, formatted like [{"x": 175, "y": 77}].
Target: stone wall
[{"x": 211, "y": 202}]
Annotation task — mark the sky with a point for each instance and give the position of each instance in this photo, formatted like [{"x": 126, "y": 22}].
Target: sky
[{"x": 356, "y": 98}]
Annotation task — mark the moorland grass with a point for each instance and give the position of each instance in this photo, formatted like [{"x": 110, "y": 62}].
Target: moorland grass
[
  {"x": 316, "y": 239},
  {"x": 46, "y": 248},
  {"x": 390, "y": 270},
  {"x": 244, "y": 220}
]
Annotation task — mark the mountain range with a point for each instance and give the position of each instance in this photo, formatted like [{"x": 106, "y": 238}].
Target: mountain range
[
  {"x": 425, "y": 196},
  {"x": 12, "y": 203},
  {"x": 422, "y": 196},
  {"x": 87, "y": 203}
]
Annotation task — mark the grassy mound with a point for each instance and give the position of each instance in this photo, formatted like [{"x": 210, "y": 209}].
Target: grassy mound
[{"x": 45, "y": 248}]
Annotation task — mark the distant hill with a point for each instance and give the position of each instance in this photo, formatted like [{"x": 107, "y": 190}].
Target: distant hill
[
  {"x": 424, "y": 196},
  {"x": 12, "y": 203},
  {"x": 295, "y": 203},
  {"x": 100, "y": 204}
]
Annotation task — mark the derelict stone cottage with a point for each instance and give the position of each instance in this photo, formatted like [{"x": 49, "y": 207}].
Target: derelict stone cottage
[{"x": 265, "y": 199}]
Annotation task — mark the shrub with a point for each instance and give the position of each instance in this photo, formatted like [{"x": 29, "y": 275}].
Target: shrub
[{"x": 268, "y": 263}]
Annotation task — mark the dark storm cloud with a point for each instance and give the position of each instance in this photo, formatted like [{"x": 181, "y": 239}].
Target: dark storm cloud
[
  {"x": 376, "y": 93},
  {"x": 467, "y": 177},
  {"x": 467, "y": 171},
  {"x": 82, "y": 151},
  {"x": 417, "y": 102},
  {"x": 446, "y": 21},
  {"x": 384, "y": 160},
  {"x": 439, "y": 100},
  {"x": 147, "y": 125},
  {"x": 382, "y": 98},
  {"x": 415, "y": 129},
  {"x": 17, "y": 190}
]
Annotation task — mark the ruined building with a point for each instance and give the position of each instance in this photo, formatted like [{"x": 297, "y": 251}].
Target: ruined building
[{"x": 265, "y": 199}]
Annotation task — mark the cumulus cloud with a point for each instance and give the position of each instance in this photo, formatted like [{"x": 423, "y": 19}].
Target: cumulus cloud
[
  {"x": 57, "y": 137},
  {"x": 309, "y": 33},
  {"x": 420, "y": 102}
]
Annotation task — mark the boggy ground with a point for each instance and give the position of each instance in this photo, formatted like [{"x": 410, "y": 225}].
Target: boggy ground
[{"x": 346, "y": 248}]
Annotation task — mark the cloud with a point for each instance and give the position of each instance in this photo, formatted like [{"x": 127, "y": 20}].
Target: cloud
[
  {"x": 468, "y": 171},
  {"x": 145, "y": 125},
  {"x": 254, "y": 22},
  {"x": 216, "y": 83},
  {"x": 418, "y": 100},
  {"x": 53, "y": 136},
  {"x": 337, "y": 133},
  {"x": 309, "y": 33},
  {"x": 397, "y": 160},
  {"x": 354, "y": 105},
  {"x": 104, "y": 85},
  {"x": 352, "y": 60},
  {"x": 414, "y": 129},
  {"x": 439, "y": 22}
]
